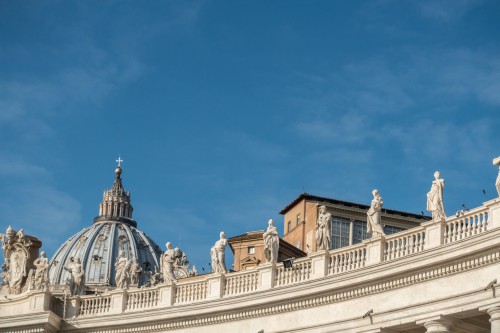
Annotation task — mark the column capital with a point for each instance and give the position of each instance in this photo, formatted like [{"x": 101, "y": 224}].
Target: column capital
[
  {"x": 437, "y": 324},
  {"x": 494, "y": 313}
]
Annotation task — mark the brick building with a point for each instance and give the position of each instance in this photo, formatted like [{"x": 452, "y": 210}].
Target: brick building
[{"x": 348, "y": 221}]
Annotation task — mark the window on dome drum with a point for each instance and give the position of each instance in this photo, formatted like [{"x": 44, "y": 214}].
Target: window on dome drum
[
  {"x": 289, "y": 226},
  {"x": 389, "y": 229},
  {"x": 358, "y": 232},
  {"x": 251, "y": 250},
  {"x": 340, "y": 232},
  {"x": 298, "y": 219}
]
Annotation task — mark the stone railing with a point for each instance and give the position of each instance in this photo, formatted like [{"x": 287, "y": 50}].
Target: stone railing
[
  {"x": 471, "y": 223},
  {"x": 143, "y": 299},
  {"x": 96, "y": 305},
  {"x": 241, "y": 282},
  {"x": 316, "y": 265},
  {"x": 300, "y": 271},
  {"x": 404, "y": 243},
  {"x": 191, "y": 292},
  {"x": 347, "y": 259}
]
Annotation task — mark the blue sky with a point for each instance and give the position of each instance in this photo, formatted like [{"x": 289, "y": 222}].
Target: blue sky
[{"x": 225, "y": 111}]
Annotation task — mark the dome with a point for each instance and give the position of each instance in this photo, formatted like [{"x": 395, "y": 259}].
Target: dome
[{"x": 98, "y": 245}]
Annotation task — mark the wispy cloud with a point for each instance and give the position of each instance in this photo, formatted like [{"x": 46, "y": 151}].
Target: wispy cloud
[
  {"x": 32, "y": 202},
  {"x": 445, "y": 10}
]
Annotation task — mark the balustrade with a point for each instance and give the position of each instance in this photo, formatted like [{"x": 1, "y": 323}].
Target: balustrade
[
  {"x": 404, "y": 243},
  {"x": 191, "y": 292},
  {"x": 94, "y": 305},
  {"x": 332, "y": 262},
  {"x": 142, "y": 299},
  {"x": 469, "y": 224},
  {"x": 345, "y": 260},
  {"x": 300, "y": 271},
  {"x": 243, "y": 282}
]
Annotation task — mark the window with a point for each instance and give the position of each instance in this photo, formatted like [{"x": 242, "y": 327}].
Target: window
[
  {"x": 389, "y": 229},
  {"x": 251, "y": 250},
  {"x": 358, "y": 232},
  {"x": 298, "y": 219},
  {"x": 289, "y": 226},
  {"x": 340, "y": 232},
  {"x": 297, "y": 245}
]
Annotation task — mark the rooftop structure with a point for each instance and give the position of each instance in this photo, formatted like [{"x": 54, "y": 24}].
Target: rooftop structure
[{"x": 98, "y": 246}]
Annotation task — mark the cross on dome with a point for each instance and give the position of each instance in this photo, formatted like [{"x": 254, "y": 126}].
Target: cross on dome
[{"x": 119, "y": 160}]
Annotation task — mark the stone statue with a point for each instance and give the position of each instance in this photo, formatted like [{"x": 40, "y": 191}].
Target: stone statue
[
  {"x": 135, "y": 272},
  {"x": 122, "y": 274},
  {"x": 435, "y": 198},
  {"x": 271, "y": 242},
  {"x": 77, "y": 279},
  {"x": 19, "y": 251},
  {"x": 496, "y": 161},
  {"x": 41, "y": 272},
  {"x": 323, "y": 229},
  {"x": 374, "y": 219},
  {"x": 167, "y": 260},
  {"x": 218, "y": 254}
]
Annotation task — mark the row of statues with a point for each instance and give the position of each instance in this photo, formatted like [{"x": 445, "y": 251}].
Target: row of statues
[
  {"x": 20, "y": 273},
  {"x": 374, "y": 215}
]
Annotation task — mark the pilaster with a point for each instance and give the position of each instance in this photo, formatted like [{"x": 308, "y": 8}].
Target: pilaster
[
  {"x": 319, "y": 264},
  {"x": 167, "y": 295},
  {"x": 267, "y": 275},
  {"x": 73, "y": 306},
  {"x": 118, "y": 301},
  {"x": 374, "y": 250},
  {"x": 493, "y": 213},
  {"x": 434, "y": 233},
  {"x": 216, "y": 285}
]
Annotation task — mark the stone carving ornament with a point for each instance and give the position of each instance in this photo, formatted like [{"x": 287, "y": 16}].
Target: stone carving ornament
[
  {"x": 16, "y": 251},
  {"x": 217, "y": 252},
  {"x": 168, "y": 260},
  {"x": 77, "y": 278},
  {"x": 323, "y": 229},
  {"x": 41, "y": 278},
  {"x": 496, "y": 161},
  {"x": 374, "y": 219},
  {"x": 435, "y": 198},
  {"x": 271, "y": 242},
  {"x": 122, "y": 268},
  {"x": 135, "y": 272}
]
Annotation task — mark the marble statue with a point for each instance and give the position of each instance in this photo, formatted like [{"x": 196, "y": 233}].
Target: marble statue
[
  {"x": 496, "y": 161},
  {"x": 135, "y": 272},
  {"x": 167, "y": 260},
  {"x": 271, "y": 242},
  {"x": 77, "y": 278},
  {"x": 374, "y": 215},
  {"x": 17, "y": 252},
  {"x": 435, "y": 198},
  {"x": 122, "y": 268},
  {"x": 41, "y": 278},
  {"x": 218, "y": 254},
  {"x": 323, "y": 229}
]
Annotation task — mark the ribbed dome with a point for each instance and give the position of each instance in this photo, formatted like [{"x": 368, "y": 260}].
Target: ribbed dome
[{"x": 98, "y": 246}]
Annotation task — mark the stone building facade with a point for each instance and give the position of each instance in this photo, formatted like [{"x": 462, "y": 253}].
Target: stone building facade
[{"x": 439, "y": 276}]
